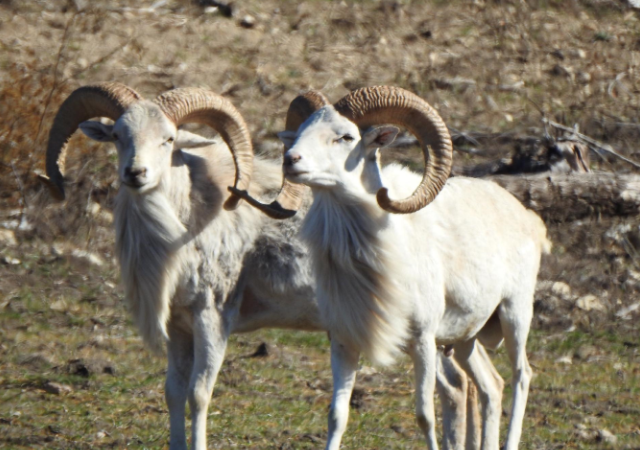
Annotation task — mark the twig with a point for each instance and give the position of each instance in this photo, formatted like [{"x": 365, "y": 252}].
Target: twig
[
  {"x": 54, "y": 86},
  {"x": 19, "y": 183},
  {"x": 22, "y": 193},
  {"x": 593, "y": 144},
  {"x": 628, "y": 124},
  {"x": 470, "y": 139},
  {"x": 102, "y": 59}
]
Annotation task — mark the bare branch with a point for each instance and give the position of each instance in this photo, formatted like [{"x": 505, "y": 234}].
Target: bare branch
[
  {"x": 593, "y": 144},
  {"x": 54, "y": 85}
]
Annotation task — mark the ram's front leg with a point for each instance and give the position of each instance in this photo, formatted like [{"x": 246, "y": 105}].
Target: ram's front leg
[
  {"x": 424, "y": 355},
  {"x": 344, "y": 363},
  {"x": 210, "y": 334},
  {"x": 180, "y": 356}
]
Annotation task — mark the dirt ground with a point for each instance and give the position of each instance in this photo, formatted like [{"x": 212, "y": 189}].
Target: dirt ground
[{"x": 73, "y": 373}]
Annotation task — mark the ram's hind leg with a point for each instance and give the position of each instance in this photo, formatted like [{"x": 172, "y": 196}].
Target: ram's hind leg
[
  {"x": 453, "y": 388},
  {"x": 473, "y": 439},
  {"x": 461, "y": 422},
  {"x": 474, "y": 360},
  {"x": 210, "y": 342},
  {"x": 515, "y": 318},
  {"x": 180, "y": 363}
]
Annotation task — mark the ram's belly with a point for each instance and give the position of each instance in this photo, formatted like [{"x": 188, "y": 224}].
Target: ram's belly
[{"x": 463, "y": 320}]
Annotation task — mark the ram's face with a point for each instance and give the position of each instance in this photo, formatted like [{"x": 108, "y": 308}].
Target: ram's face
[
  {"x": 324, "y": 151},
  {"x": 145, "y": 140},
  {"x": 329, "y": 151}
]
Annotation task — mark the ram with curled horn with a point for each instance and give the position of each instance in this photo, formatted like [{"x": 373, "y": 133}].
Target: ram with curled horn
[
  {"x": 408, "y": 262},
  {"x": 195, "y": 263}
]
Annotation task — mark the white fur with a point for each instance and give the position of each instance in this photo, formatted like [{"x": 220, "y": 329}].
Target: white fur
[
  {"x": 466, "y": 262},
  {"x": 362, "y": 301}
]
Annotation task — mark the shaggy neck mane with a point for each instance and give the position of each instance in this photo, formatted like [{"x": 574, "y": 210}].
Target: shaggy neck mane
[
  {"x": 148, "y": 232},
  {"x": 358, "y": 293},
  {"x": 180, "y": 226}
]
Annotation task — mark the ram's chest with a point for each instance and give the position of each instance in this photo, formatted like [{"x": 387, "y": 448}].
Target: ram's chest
[
  {"x": 188, "y": 280},
  {"x": 208, "y": 267}
]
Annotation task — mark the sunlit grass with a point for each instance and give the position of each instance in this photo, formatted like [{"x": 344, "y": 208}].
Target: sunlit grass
[
  {"x": 586, "y": 380},
  {"x": 278, "y": 401}
]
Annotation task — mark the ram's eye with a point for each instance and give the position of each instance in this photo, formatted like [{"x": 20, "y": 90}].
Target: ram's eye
[
  {"x": 344, "y": 138},
  {"x": 170, "y": 140}
]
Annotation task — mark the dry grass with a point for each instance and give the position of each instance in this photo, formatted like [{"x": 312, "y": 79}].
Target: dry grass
[
  {"x": 487, "y": 66},
  {"x": 112, "y": 387}
]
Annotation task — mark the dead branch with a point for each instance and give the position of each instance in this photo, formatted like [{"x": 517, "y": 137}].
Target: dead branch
[
  {"x": 592, "y": 143},
  {"x": 563, "y": 198},
  {"x": 54, "y": 84}
]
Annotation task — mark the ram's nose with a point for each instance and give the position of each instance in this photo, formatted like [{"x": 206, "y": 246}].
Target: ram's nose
[
  {"x": 134, "y": 176},
  {"x": 291, "y": 158}
]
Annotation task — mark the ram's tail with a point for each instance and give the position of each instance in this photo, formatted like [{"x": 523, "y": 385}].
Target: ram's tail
[{"x": 541, "y": 233}]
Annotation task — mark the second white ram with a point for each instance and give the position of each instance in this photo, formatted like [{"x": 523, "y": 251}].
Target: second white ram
[{"x": 454, "y": 261}]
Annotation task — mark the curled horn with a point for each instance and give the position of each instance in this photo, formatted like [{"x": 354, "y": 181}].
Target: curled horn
[
  {"x": 290, "y": 198},
  {"x": 384, "y": 104},
  {"x": 194, "y": 105},
  {"x": 96, "y": 100}
]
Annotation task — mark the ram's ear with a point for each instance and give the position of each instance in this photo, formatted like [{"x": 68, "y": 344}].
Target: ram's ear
[
  {"x": 288, "y": 138},
  {"x": 186, "y": 139},
  {"x": 378, "y": 137},
  {"x": 97, "y": 131}
]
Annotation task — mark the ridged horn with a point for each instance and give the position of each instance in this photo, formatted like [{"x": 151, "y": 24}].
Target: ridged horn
[
  {"x": 96, "y": 100},
  {"x": 195, "y": 105},
  {"x": 291, "y": 195},
  {"x": 392, "y": 105}
]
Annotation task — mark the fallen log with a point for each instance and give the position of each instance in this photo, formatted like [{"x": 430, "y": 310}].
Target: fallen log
[{"x": 564, "y": 198}]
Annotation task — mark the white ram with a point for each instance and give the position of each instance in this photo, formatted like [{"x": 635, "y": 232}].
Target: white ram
[{"x": 454, "y": 261}]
